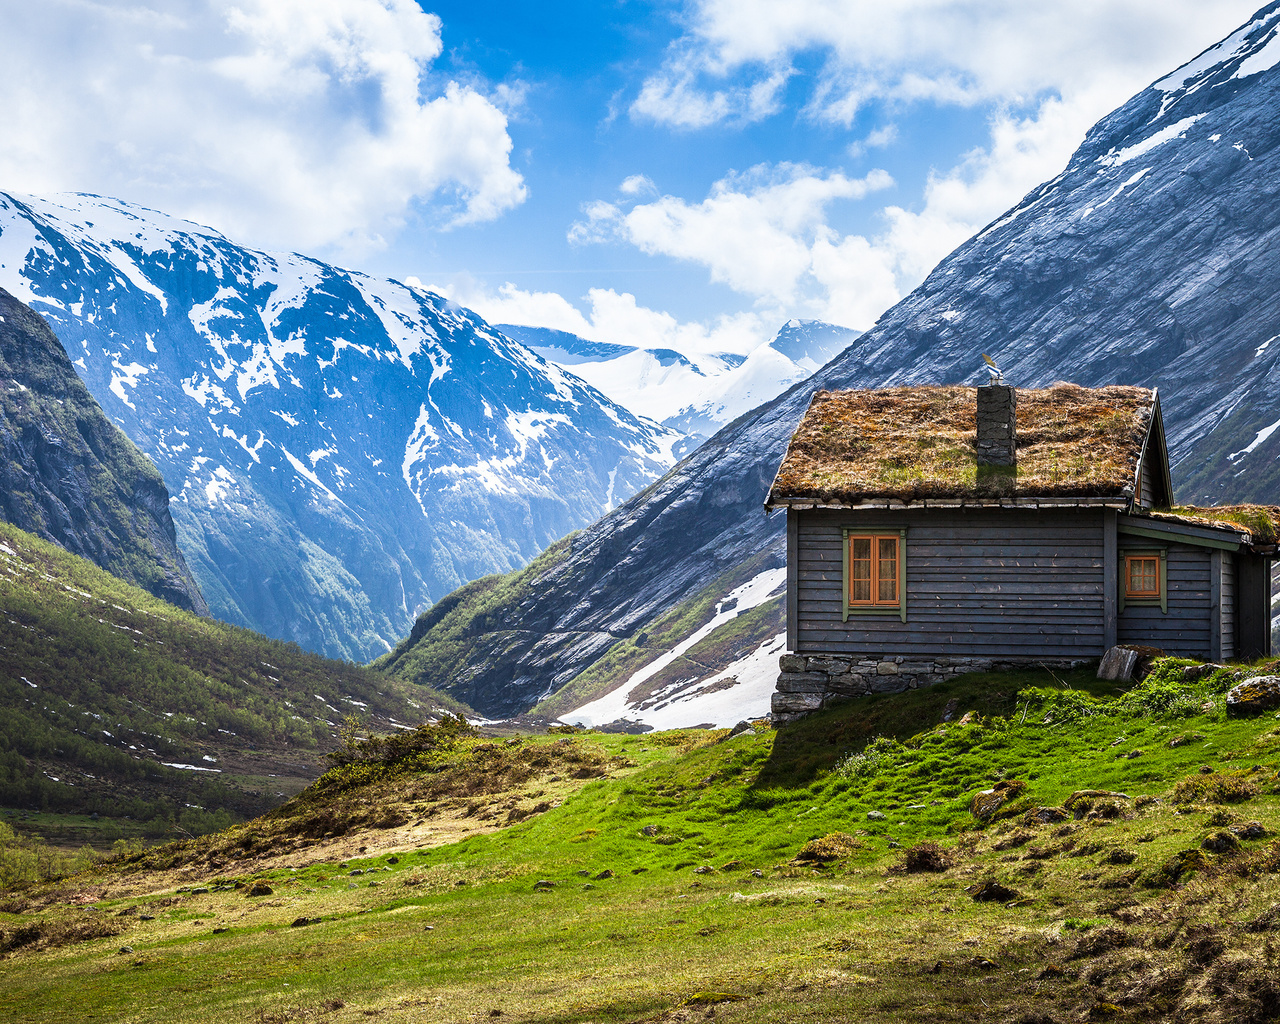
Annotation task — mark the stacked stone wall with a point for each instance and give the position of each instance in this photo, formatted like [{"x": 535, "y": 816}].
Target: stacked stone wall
[{"x": 808, "y": 683}]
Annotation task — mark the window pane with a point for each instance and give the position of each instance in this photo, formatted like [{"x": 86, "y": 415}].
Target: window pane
[
  {"x": 859, "y": 569},
  {"x": 887, "y": 570},
  {"x": 1142, "y": 576}
]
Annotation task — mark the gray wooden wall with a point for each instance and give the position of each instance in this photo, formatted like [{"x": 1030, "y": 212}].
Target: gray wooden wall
[
  {"x": 1186, "y": 629},
  {"x": 979, "y": 583}
]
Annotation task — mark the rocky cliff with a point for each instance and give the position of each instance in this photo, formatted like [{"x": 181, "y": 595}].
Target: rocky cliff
[{"x": 70, "y": 476}]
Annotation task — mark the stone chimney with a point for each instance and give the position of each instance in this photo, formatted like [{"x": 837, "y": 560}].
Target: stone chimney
[{"x": 997, "y": 425}]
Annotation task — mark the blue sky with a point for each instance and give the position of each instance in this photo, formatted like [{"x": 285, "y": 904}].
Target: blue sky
[{"x": 687, "y": 174}]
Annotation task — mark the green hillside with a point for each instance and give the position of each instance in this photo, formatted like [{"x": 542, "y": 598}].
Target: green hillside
[
  {"x": 104, "y": 689},
  {"x": 1065, "y": 852}
]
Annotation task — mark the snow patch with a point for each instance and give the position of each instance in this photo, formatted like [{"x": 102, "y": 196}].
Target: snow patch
[{"x": 1177, "y": 130}]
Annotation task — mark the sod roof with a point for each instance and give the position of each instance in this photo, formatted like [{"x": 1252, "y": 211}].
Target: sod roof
[
  {"x": 1260, "y": 522},
  {"x": 911, "y": 443}
]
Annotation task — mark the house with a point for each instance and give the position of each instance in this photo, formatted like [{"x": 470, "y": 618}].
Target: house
[{"x": 939, "y": 530}]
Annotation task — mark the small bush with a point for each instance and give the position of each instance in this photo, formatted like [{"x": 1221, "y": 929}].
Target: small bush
[
  {"x": 924, "y": 857},
  {"x": 1215, "y": 787},
  {"x": 882, "y": 752},
  {"x": 835, "y": 846}
]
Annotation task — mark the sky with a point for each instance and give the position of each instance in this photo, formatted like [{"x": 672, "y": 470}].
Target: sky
[{"x": 659, "y": 173}]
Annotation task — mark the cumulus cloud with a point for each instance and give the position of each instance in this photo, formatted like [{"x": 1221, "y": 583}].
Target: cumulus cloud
[
  {"x": 287, "y": 122},
  {"x": 949, "y": 51},
  {"x": 754, "y": 232},
  {"x": 767, "y": 235},
  {"x": 611, "y": 316}
]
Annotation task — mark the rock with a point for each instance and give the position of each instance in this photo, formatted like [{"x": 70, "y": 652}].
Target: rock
[
  {"x": 606, "y": 873},
  {"x": 733, "y": 865},
  {"x": 741, "y": 729},
  {"x": 876, "y": 816},
  {"x": 1253, "y": 696},
  {"x": 1118, "y": 664},
  {"x": 1045, "y": 816},
  {"x": 583, "y": 873},
  {"x": 69, "y": 475},
  {"x": 200, "y": 890},
  {"x": 993, "y": 892},
  {"x": 1194, "y": 673},
  {"x": 792, "y": 663},
  {"x": 393, "y": 860},
  {"x": 259, "y": 888},
  {"x": 651, "y": 830},
  {"x": 126, "y": 949},
  {"x": 355, "y": 871},
  {"x": 970, "y": 718},
  {"x": 757, "y": 873},
  {"x": 1249, "y": 830},
  {"x": 146, "y": 917},
  {"x": 704, "y": 869},
  {"x": 985, "y": 804},
  {"x": 1179, "y": 866},
  {"x": 544, "y": 883},
  {"x": 1220, "y": 842},
  {"x": 887, "y": 668},
  {"x": 587, "y": 885},
  {"x": 302, "y": 922}
]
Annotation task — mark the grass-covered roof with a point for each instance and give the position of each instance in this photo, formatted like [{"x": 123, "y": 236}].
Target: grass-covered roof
[{"x": 909, "y": 443}]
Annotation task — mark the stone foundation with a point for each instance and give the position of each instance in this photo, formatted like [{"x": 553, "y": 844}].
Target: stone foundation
[{"x": 807, "y": 683}]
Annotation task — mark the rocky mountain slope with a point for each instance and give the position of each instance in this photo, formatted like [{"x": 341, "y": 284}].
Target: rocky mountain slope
[
  {"x": 696, "y": 394},
  {"x": 1151, "y": 259},
  {"x": 69, "y": 475},
  {"x": 342, "y": 450}
]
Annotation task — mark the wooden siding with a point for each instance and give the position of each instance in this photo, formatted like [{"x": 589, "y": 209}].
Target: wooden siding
[
  {"x": 1146, "y": 484},
  {"x": 978, "y": 583},
  {"x": 1186, "y": 628},
  {"x": 1253, "y": 605},
  {"x": 1227, "y": 606}
]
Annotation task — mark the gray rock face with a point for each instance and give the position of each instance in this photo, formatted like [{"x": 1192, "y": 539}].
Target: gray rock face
[
  {"x": 1152, "y": 259},
  {"x": 1254, "y": 696},
  {"x": 70, "y": 476}
]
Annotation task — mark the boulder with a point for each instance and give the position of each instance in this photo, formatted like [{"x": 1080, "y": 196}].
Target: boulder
[
  {"x": 1118, "y": 664},
  {"x": 1253, "y": 696}
]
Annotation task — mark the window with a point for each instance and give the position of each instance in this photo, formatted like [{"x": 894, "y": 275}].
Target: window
[
  {"x": 1141, "y": 576},
  {"x": 874, "y": 577},
  {"x": 1144, "y": 578}
]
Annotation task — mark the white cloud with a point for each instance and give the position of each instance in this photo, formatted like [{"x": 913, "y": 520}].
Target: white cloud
[
  {"x": 766, "y": 234},
  {"x": 949, "y": 51},
  {"x": 754, "y": 232},
  {"x": 611, "y": 317},
  {"x": 286, "y": 122}
]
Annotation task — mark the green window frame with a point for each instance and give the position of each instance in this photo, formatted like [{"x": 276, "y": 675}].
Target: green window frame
[
  {"x": 1125, "y": 598},
  {"x": 870, "y": 564}
]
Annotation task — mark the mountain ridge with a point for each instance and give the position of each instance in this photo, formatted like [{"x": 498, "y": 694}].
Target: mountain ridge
[{"x": 342, "y": 450}]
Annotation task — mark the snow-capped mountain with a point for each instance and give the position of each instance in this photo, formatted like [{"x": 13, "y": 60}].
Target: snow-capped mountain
[
  {"x": 1152, "y": 259},
  {"x": 696, "y": 394},
  {"x": 341, "y": 450}
]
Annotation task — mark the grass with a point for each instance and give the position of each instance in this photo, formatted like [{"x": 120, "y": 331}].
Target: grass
[{"x": 771, "y": 877}]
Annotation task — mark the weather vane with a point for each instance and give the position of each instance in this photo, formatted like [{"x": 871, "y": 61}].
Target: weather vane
[{"x": 997, "y": 377}]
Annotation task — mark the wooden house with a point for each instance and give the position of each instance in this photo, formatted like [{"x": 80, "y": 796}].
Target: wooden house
[{"x": 938, "y": 530}]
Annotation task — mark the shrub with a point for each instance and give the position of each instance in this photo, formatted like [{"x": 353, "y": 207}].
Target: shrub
[
  {"x": 924, "y": 857},
  {"x": 835, "y": 846},
  {"x": 882, "y": 752},
  {"x": 1216, "y": 787}
]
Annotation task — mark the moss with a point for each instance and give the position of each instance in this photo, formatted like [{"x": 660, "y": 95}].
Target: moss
[{"x": 917, "y": 442}]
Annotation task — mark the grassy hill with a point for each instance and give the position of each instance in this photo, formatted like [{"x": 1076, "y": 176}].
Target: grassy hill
[
  {"x": 1122, "y": 865},
  {"x": 116, "y": 704}
]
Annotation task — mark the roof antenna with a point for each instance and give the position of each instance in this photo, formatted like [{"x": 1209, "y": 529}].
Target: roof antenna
[{"x": 997, "y": 377}]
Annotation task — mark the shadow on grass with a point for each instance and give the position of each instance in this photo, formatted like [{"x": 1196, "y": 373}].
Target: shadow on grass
[{"x": 805, "y": 749}]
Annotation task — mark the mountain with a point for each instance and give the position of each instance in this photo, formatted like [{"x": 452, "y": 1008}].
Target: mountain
[
  {"x": 1150, "y": 260},
  {"x": 342, "y": 450},
  {"x": 696, "y": 394},
  {"x": 69, "y": 475},
  {"x": 114, "y": 702}
]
